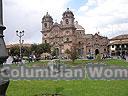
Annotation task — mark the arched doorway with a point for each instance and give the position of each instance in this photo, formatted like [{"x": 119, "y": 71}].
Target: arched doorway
[
  {"x": 118, "y": 53},
  {"x": 123, "y": 53},
  {"x": 57, "y": 52},
  {"x": 97, "y": 52}
]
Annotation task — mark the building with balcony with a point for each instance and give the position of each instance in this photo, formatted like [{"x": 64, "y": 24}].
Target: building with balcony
[{"x": 119, "y": 45}]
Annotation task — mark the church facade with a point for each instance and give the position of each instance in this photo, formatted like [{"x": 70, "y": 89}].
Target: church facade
[{"x": 68, "y": 34}]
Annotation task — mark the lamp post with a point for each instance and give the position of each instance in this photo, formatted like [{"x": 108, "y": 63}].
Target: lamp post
[
  {"x": 20, "y": 34},
  {"x": 3, "y": 55}
]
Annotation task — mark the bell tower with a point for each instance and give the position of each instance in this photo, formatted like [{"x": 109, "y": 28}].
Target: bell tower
[
  {"x": 47, "y": 22},
  {"x": 68, "y": 28},
  {"x": 68, "y": 18}
]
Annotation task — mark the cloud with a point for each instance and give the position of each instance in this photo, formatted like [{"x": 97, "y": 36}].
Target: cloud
[
  {"x": 104, "y": 16},
  {"x": 110, "y": 17},
  {"x": 27, "y": 15}
]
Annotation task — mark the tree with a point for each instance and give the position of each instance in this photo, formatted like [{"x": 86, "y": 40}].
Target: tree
[
  {"x": 67, "y": 51},
  {"x": 46, "y": 48},
  {"x": 15, "y": 50},
  {"x": 41, "y": 48},
  {"x": 33, "y": 47},
  {"x": 73, "y": 54},
  {"x": 26, "y": 51},
  {"x": 53, "y": 53},
  {"x": 36, "y": 49},
  {"x": 98, "y": 58}
]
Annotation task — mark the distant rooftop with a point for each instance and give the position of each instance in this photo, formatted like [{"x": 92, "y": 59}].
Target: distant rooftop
[
  {"x": 11, "y": 45},
  {"x": 125, "y": 36}
]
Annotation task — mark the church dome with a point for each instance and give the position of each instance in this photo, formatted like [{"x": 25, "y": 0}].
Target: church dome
[
  {"x": 78, "y": 27},
  {"x": 68, "y": 12},
  {"x": 47, "y": 17}
]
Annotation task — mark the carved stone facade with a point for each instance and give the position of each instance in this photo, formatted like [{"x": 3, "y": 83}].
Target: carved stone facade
[
  {"x": 68, "y": 33},
  {"x": 96, "y": 44}
]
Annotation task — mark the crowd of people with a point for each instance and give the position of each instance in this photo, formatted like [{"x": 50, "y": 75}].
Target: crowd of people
[{"x": 17, "y": 59}]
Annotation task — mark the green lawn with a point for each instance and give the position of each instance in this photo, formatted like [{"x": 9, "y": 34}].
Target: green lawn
[
  {"x": 116, "y": 62},
  {"x": 72, "y": 87},
  {"x": 81, "y": 62},
  {"x": 69, "y": 88}
]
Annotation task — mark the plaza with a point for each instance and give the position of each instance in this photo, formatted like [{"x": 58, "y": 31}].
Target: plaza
[{"x": 93, "y": 33}]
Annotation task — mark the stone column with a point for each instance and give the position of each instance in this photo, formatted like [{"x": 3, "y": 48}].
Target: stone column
[{"x": 3, "y": 54}]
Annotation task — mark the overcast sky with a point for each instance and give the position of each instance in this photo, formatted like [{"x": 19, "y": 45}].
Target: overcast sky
[{"x": 110, "y": 17}]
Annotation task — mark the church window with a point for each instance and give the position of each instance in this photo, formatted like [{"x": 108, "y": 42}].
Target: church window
[
  {"x": 67, "y": 32},
  {"x": 67, "y": 39},
  {"x": 45, "y": 34},
  {"x": 45, "y": 41},
  {"x": 112, "y": 46},
  {"x": 45, "y": 25},
  {"x": 126, "y": 45},
  {"x": 67, "y": 21},
  {"x": 122, "y": 46},
  {"x": 79, "y": 43}
]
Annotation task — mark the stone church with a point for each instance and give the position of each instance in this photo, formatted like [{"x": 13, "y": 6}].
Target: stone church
[{"x": 68, "y": 33}]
